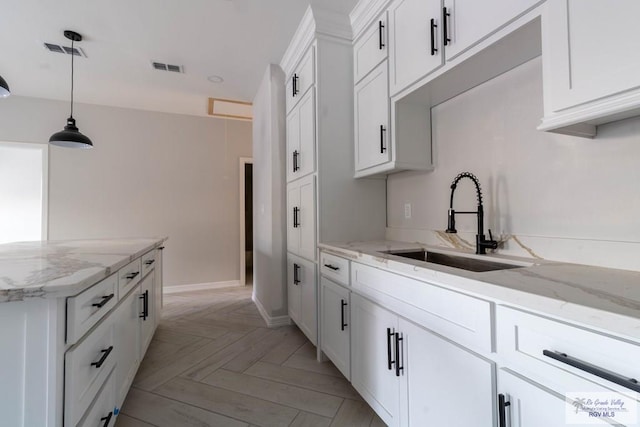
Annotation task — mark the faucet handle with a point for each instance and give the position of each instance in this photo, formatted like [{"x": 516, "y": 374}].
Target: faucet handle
[
  {"x": 492, "y": 244},
  {"x": 490, "y": 235}
]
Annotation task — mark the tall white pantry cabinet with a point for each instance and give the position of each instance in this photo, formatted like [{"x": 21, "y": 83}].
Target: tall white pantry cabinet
[{"x": 324, "y": 201}]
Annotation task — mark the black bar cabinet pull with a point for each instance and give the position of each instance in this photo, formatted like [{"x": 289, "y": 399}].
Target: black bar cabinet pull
[
  {"x": 434, "y": 49},
  {"x": 105, "y": 354},
  {"x": 132, "y": 275},
  {"x": 332, "y": 267},
  {"x": 382, "y": 147},
  {"x": 380, "y": 35},
  {"x": 630, "y": 383},
  {"x": 105, "y": 299},
  {"x": 502, "y": 413},
  {"x": 107, "y": 419},
  {"x": 295, "y": 84},
  {"x": 390, "y": 362},
  {"x": 398, "y": 358},
  {"x": 145, "y": 305},
  {"x": 296, "y": 278},
  {"x": 343, "y": 324},
  {"x": 149, "y": 261},
  {"x": 296, "y": 154},
  {"x": 296, "y": 222},
  {"x": 445, "y": 21}
]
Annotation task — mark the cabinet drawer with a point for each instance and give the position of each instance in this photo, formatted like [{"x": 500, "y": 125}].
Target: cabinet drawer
[
  {"x": 301, "y": 80},
  {"x": 458, "y": 317},
  {"x": 335, "y": 268},
  {"x": 129, "y": 276},
  {"x": 86, "y": 367},
  {"x": 149, "y": 261},
  {"x": 522, "y": 338},
  {"x": 370, "y": 49},
  {"x": 101, "y": 411},
  {"x": 86, "y": 309}
]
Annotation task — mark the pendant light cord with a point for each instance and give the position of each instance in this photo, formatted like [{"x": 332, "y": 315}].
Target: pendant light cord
[{"x": 72, "y": 55}]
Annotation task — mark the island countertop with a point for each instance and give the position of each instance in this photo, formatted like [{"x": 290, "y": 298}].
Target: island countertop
[
  {"x": 52, "y": 269},
  {"x": 602, "y": 298}
]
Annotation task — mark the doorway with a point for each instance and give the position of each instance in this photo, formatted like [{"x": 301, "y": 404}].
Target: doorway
[{"x": 246, "y": 221}]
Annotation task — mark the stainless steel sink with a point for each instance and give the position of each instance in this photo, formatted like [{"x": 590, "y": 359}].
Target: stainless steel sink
[{"x": 455, "y": 261}]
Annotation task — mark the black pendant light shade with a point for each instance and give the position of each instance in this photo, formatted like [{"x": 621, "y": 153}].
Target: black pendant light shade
[
  {"x": 4, "y": 88},
  {"x": 71, "y": 137}
]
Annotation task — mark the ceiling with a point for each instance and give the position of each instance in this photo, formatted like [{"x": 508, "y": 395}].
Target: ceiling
[{"x": 233, "y": 39}]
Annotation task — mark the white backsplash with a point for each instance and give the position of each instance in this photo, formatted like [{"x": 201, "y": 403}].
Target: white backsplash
[{"x": 546, "y": 195}]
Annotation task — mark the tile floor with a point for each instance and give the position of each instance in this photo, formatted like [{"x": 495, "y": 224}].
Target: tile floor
[{"x": 213, "y": 362}]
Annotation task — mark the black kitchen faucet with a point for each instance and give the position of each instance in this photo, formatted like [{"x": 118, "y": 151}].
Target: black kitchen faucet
[{"x": 481, "y": 243}]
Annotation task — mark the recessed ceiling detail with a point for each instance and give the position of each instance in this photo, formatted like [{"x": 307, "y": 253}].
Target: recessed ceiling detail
[
  {"x": 52, "y": 47},
  {"x": 167, "y": 67}
]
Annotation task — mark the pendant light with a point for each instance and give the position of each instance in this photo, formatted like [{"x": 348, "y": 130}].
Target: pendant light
[
  {"x": 4, "y": 88},
  {"x": 71, "y": 137}
]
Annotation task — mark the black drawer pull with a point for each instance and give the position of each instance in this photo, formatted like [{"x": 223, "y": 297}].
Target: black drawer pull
[
  {"x": 502, "y": 405},
  {"x": 380, "y": 35},
  {"x": 296, "y": 220},
  {"x": 390, "y": 362},
  {"x": 399, "y": 366},
  {"x": 630, "y": 383},
  {"x": 105, "y": 354},
  {"x": 105, "y": 299},
  {"x": 295, "y": 84},
  {"x": 445, "y": 21},
  {"x": 343, "y": 324},
  {"x": 149, "y": 262},
  {"x": 434, "y": 26},
  {"x": 145, "y": 305},
  {"x": 332, "y": 267},
  {"x": 107, "y": 419},
  {"x": 296, "y": 166},
  {"x": 296, "y": 275},
  {"x": 382, "y": 146},
  {"x": 132, "y": 275}
]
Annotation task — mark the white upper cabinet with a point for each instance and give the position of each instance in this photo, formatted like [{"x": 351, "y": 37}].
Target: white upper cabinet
[
  {"x": 371, "y": 48},
  {"x": 372, "y": 134},
  {"x": 415, "y": 38},
  {"x": 468, "y": 22},
  {"x": 591, "y": 66},
  {"x": 301, "y": 137},
  {"x": 301, "y": 217},
  {"x": 302, "y": 78}
]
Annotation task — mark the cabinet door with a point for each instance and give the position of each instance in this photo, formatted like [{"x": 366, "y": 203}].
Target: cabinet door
[
  {"x": 370, "y": 49},
  {"x": 470, "y": 21},
  {"x": 410, "y": 37},
  {"x": 307, "y": 218},
  {"x": 147, "y": 314},
  {"x": 590, "y": 50},
  {"x": 434, "y": 371},
  {"x": 373, "y": 374},
  {"x": 157, "y": 299},
  {"x": 306, "y": 161},
  {"x": 293, "y": 217},
  {"x": 372, "y": 133},
  {"x": 335, "y": 325},
  {"x": 127, "y": 335},
  {"x": 293, "y": 287},
  {"x": 293, "y": 144},
  {"x": 530, "y": 405}
]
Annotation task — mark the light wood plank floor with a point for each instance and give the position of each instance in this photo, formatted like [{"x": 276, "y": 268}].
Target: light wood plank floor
[{"x": 213, "y": 362}]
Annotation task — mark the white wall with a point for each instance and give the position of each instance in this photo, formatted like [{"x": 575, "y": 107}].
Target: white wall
[
  {"x": 149, "y": 174},
  {"x": 269, "y": 196},
  {"x": 563, "y": 197}
]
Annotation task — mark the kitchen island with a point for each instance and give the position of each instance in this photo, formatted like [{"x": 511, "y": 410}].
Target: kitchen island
[{"x": 76, "y": 318}]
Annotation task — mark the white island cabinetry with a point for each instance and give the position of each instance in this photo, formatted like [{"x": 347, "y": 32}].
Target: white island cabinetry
[{"x": 82, "y": 306}]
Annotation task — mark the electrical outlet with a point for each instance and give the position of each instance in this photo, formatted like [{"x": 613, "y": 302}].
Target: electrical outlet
[{"x": 407, "y": 210}]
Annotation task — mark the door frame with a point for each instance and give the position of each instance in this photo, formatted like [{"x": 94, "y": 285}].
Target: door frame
[{"x": 243, "y": 264}]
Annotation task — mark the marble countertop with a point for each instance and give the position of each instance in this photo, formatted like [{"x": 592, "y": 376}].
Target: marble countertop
[
  {"x": 601, "y": 298},
  {"x": 51, "y": 269}
]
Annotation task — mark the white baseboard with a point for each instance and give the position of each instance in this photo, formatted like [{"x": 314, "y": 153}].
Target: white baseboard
[
  {"x": 200, "y": 286},
  {"x": 272, "y": 322}
]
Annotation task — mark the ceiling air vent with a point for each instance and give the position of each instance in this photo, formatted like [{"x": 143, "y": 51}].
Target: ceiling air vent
[
  {"x": 64, "y": 49},
  {"x": 167, "y": 67}
]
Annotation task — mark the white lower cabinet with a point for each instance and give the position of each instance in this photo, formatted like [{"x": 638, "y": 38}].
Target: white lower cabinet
[
  {"x": 335, "y": 324},
  {"x": 373, "y": 373},
  {"x": 442, "y": 383},
  {"x": 102, "y": 411},
  {"x": 522, "y": 403},
  {"x": 301, "y": 291},
  {"x": 127, "y": 342},
  {"x": 301, "y": 217},
  {"x": 147, "y": 311}
]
